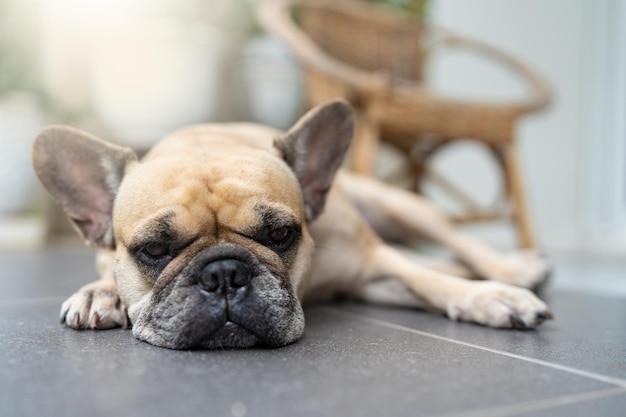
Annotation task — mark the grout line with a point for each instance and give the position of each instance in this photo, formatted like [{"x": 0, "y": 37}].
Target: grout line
[
  {"x": 598, "y": 377},
  {"x": 32, "y": 301},
  {"x": 517, "y": 409}
]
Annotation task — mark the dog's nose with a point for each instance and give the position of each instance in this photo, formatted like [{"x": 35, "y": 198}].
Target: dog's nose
[{"x": 224, "y": 273}]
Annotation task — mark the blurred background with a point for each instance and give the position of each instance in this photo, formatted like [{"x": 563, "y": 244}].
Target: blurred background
[{"x": 131, "y": 71}]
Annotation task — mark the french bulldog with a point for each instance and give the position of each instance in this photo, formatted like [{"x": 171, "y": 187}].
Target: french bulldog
[{"x": 217, "y": 236}]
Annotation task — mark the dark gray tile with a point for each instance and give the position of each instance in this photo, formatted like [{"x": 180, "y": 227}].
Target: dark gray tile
[
  {"x": 588, "y": 334},
  {"x": 606, "y": 403},
  {"x": 50, "y": 272},
  {"x": 597, "y": 405},
  {"x": 343, "y": 366}
]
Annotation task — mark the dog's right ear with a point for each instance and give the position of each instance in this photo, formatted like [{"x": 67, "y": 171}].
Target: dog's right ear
[
  {"x": 83, "y": 173},
  {"x": 314, "y": 149}
]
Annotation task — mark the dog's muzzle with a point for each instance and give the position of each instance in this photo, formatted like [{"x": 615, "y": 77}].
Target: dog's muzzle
[{"x": 224, "y": 297}]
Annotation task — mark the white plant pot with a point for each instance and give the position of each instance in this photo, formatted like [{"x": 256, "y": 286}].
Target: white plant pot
[
  {"x": 20, "y": 121},
  {"x": 273, "y": 82},
  {"x": 156, "y": 75}
]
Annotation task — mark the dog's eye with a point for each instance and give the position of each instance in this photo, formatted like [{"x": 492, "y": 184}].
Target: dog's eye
[
  {"x": 156, "y": 250},
  {"x": 280, "y": 235}
]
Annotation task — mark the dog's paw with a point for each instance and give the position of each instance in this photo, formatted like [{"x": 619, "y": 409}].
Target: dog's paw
[
  {"x": 499, "y": 305},
  {"x": 95, "y": 306},
  {"x": 523, "y": 268}
]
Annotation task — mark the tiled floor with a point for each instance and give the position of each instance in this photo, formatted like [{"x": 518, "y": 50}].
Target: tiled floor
[{"x": 355, "y": 360}]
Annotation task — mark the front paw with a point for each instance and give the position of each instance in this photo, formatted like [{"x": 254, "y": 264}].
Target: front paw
[
  {"x": 95, "y": 306},
  {"x": 499, "y": 305}
]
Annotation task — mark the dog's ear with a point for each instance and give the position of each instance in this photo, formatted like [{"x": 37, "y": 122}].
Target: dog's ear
[
  {"x": 315, "y": 147},
  {"x": 83, "y": 173}
]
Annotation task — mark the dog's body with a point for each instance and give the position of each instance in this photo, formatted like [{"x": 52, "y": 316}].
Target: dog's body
[{"x": 221, "y": 230}]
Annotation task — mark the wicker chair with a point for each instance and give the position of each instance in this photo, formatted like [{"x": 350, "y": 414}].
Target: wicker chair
[{"x": 374, "y": 58}]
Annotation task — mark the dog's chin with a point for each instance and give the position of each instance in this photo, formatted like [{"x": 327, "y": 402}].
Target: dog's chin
[
  {"x": 197, "y": 323},
  {"x": 228, "y": 336},
  {"x": 235, "y": 336},
  {"x": 231, "y": 335}
]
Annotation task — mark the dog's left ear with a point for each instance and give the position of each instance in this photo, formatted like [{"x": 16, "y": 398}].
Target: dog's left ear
[
  {"x": 315, "y": 148},
  {"x": 83, "y": 173}
]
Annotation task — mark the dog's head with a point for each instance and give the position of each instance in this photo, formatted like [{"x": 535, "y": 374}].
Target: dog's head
[{"x": 210, "y": 230}]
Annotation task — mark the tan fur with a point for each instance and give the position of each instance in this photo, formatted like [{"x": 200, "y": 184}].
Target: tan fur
[
  {"x": 211, "y": 178},
  {"x": 217, "y": 200}
]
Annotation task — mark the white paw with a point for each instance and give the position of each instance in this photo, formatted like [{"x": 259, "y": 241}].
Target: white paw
[
  {"x": 499, "y": 305},
  {"x": 94, "y": 306},
  {"x": 523, "y": 268}
]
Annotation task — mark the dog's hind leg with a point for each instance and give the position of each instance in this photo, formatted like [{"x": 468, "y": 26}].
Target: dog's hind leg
[
  {"x": 448, "y": 266},
  {"x": 401, "y": 216},
  {"x": 392, "y": 278}
]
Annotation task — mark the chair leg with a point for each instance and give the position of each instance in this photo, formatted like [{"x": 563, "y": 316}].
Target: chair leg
[
  {"x": 364, "y": 145},
  {"x": 419, "y": 156},
  {"x": 526, "y": 239}
]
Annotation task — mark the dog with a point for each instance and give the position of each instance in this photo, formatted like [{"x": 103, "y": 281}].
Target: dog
[{"x": 220, "y": 233}]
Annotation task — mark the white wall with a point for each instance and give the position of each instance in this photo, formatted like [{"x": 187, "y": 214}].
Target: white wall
[
  {"x": 558, "y": 38},
  {"x": 604, "y": 129}
]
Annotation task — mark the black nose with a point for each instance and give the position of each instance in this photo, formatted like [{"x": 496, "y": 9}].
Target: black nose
[{"x": 224, "y": 273}]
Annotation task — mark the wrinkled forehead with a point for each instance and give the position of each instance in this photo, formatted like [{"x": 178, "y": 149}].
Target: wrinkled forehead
[{"x": 197, "y": 196}]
